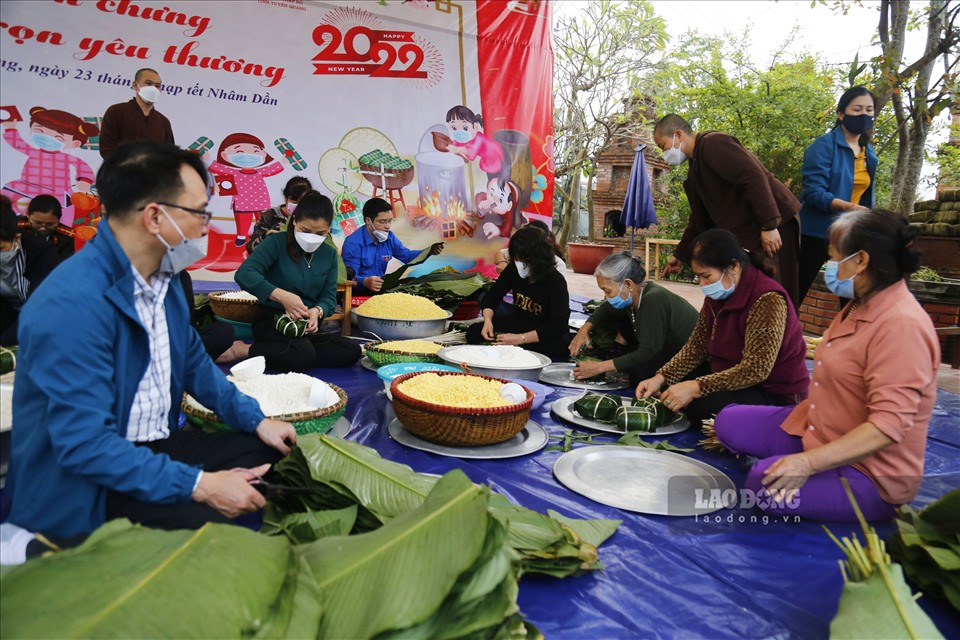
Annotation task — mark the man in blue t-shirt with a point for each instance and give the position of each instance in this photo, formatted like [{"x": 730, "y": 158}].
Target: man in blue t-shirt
[{"x": 368, "y": 250}]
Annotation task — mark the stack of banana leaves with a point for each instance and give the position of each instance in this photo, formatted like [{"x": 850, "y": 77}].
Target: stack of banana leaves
[
  {"x": 378, "y": 551},
  {"x": 643, "y": 414},
  {"x": 446, "y": 287},
  {"x": 927, "y": 545}
]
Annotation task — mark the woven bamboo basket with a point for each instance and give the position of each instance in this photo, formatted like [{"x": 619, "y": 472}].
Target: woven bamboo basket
[
  {"x": 236, "y": 310},
  {"x": 459, "y": 426},
  {"x": 381, "y": 357},
  {"x": 319, "y": 421}
]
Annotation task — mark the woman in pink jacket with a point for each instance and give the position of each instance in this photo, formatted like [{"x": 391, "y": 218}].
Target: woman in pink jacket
[
  {"x": 243, "y": 159},
  {"x": 873, "y": 391}
]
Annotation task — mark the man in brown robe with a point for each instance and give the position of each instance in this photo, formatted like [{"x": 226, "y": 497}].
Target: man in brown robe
[
  {"x": 137, "y": 119},
  {"x": 729, "y": 188}
]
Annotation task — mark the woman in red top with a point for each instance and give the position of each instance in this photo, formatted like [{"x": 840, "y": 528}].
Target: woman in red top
[
  {"x": 874, "y": 387},
  {"x": 747, "y": 346}
]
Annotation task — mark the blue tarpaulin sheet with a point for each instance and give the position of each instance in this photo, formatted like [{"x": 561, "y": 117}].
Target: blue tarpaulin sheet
[{"x": 740, "y": 574}]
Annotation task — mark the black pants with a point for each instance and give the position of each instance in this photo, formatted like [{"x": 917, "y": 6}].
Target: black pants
[
  {"x": 209, "y": 451},
  {"x": 813, "y": 253},
  {"x": 557, "y": 349},
  {"x": 709, "y": 406},
  {"x": 217, "y": 337},
  {"x": 9, "y": 320},
  {"x": 301, "y": 354}
]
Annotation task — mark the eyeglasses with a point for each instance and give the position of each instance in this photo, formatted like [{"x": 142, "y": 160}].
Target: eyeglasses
[
  {"x": 383, "y": 223},
  {"x": 204, "y": 215},
  {"x": 42, "y": 225}
]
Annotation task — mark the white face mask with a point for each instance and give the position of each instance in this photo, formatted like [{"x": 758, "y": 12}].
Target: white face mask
[
  {"x": 149, "y": 94},
  {"x": 309, "y": 242},
  {"x": 522, "y": 269},
  {"x": 183, "y": 254},
  {"x": 381, "y": 236},
  {"x": 675, "y": 155}
]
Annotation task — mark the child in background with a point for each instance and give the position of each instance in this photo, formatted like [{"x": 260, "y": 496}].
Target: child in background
[
  {"x": 242, "y": 157},
  {"x": 470, "y": 142}
]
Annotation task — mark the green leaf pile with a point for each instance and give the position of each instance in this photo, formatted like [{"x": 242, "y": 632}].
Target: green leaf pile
[
  {"x": 426, "y": 557},
  {"x": 927, "y": 545}
]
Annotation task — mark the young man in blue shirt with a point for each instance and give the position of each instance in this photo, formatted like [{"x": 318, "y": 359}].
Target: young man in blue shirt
[
  {"x": 368, "y": 250},
  {"x": 97, "y": 434}
]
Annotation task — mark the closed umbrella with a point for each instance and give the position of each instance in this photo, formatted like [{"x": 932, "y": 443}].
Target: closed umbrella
[{"x": 638, "y": 206}]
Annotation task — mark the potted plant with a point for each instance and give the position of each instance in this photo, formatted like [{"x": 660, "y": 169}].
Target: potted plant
[{"x": 586, "y": 255}]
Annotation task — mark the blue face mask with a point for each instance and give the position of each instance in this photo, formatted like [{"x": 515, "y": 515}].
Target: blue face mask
[
  {"x": 45, "y": 142},
  {"x": 842, "y": 288},
  {"x": 461, "y": 136},
  {"x": 620, "y": 303},
  {"x": 246, "y": 159},
  {"x": 716, "y": 290}
]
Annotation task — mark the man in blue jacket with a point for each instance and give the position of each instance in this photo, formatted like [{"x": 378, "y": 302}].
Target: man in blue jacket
[
  {"x": 96, "y": 435},
  {"x": 368, "y": 249}
]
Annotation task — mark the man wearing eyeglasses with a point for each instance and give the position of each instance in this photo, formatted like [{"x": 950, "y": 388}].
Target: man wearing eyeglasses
[
  {"x": 368, "y": 249},
  {"x": 137, "y": 118},
  {"x": 97, "y": 435}
]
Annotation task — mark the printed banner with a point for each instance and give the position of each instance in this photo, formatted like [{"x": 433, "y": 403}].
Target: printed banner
[{"x": 444, "y": 108}]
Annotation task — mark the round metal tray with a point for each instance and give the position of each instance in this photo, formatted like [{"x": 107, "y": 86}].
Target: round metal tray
[
  {"x": 560, "y": 374},
  {"x": 644, "y": 480},
  {"x": 563, "y": 409},
  {"x": 368, "y": 364},
  {"x": 531, "y": 439}
]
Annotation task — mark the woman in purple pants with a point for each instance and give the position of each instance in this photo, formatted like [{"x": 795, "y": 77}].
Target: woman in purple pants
[{"x": 873, "y": 390}]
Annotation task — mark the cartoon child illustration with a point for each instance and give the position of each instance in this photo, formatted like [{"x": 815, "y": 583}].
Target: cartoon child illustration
[
  {"x": 501, "y": 199},
  {"x": 469, "y": 141},
  {"x": 242, "y": 157},
  {"x": 48, "y": 168}
]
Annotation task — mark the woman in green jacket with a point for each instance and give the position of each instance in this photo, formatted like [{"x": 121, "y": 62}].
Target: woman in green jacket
[
  {"x": 295, "y": 273},
  {"x": 652, "y": 322}
]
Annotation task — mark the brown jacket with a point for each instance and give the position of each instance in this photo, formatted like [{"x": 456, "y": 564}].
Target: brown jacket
[{"x": 728, "y": 187}]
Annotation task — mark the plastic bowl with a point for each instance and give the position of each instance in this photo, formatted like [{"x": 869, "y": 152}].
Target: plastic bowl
[
  {"x": 390, "y": 371},
  {"x": 540, "y": 391}
]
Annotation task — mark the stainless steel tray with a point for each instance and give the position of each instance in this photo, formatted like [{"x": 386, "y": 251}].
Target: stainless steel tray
[
  {"x": 559, "y": 374},
  {"x": 531, "y": 439},
  {"x": 644, "y": 480},
  {"x": 563, "y": 408},
  {"x": 368, "y": 364},
  {"x": 340, "y": 428},
  {"x": 531, "y": 373}
]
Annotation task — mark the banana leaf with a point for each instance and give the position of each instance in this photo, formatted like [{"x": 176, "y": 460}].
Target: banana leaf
[
  {"x": 387, "y": 489},
  {"x": 308, "y": 526},
  {"x": 927, "y": 545},
  {"x": 393, "y": 278},
  {"x": 419, "y": 554},
  {"x": 481, "y": 598},
  {"x": 594, "y": 532},
  {"x": 876, "y": 601},
  {"x": 867, "y": 610},
  {"x": 126, "y": 580}
]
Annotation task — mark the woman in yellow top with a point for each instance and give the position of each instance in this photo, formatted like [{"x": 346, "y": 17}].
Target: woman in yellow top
[{"x": 839, "y": 169}]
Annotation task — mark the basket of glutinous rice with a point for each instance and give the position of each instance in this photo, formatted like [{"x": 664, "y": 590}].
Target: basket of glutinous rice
[
  {"x": 459, "y": 409},
  {"x": 395, "y": 351},
  {"x": 284, "y": 397},
  {"x": 238, "y": 306}
]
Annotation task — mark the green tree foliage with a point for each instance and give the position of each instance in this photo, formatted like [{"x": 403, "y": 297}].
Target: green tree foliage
[
  {"x": 775, "y": 112},
  {"x": 603, "y": 51}
]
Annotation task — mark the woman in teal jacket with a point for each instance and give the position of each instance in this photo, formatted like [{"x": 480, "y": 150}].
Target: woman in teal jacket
[
  {"x": 295, "y": 273},
  {"x": 839, "y": 169}
]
